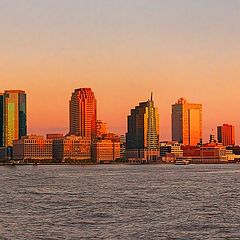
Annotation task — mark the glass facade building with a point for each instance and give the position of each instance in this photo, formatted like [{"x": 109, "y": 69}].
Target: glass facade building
[
  {"x": 186, "y": 122},
  {"x": 143, "y": 127},
  {"x": 14, "y": 117}
]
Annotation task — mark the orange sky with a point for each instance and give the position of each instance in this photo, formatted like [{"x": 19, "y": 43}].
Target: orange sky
[{"x": 123, "y": 50}]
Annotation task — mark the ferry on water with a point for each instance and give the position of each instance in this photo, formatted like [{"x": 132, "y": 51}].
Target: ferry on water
[{"x": 182, "y": 161}]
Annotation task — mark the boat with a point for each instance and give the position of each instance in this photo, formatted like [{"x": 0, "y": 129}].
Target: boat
[{"x": 182, "y": 162}]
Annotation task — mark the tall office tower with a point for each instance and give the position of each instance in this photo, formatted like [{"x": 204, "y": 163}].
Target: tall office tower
[
  {"x": 187, "y": 122},
  {"x": 143, "y": 127},
  {"x": 226, "y": 134},
  {"x": 83, "y": 113},
  {"x": 1, "y": 120},
  {"x": 14, "y": 117}
]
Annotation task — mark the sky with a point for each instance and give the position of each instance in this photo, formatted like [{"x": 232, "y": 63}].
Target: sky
[{"x": 123, "y": 50}]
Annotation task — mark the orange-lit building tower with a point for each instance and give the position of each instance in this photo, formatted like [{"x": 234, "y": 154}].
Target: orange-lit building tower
[
  {"x": 186, "y": 122},
  {"x": 226, "y": 135},
  {"x": 14, "y": 116},
  {"x": 83, "y": 113}
]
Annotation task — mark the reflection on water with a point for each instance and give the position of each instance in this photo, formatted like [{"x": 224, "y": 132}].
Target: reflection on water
[{"x": 120, "y": 202}]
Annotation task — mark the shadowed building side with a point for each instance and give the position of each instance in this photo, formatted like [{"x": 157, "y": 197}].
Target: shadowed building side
[{"x": 143, "y": 132}]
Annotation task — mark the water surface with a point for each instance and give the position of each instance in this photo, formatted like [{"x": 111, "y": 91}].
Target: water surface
[{"x": 120, "y": 202}]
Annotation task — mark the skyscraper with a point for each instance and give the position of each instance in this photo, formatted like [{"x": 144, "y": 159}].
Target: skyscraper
[
  {"x": 83, "y": 113},
  {"x": 143, "y": 127},
  {"x": 1, "y": 120},
  {"x": 14, "y": 117},
  {"x": 226, "y": 134},
  {"x": 186, "y": 122}
]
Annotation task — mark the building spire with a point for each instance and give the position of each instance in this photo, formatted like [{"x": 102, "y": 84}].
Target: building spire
[{"x": 151, "y": 96}]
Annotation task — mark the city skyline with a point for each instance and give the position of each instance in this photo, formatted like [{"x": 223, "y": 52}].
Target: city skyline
[
  {"x": 122, "y": 50},
  {"x": 53, "y": 131}
]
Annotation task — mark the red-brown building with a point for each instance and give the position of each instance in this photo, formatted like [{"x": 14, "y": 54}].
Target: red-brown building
[
  {"x": 208, "y": 153},
  {"x": 226, "y": 135},
  {"x": 83, "y": 113}
]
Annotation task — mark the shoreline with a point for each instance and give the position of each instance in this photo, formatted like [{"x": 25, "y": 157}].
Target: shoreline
[{"x": 94, "y": 164}]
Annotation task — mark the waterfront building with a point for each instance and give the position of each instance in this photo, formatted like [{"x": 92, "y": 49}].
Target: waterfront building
[
  {"x": 14, "y": 116},
  {"x": 187, "y": 122},
  {"x": 235, "y": 149},
  {"x": 171, "y": 147},
  {"x": 209, "y": 153},
  {"x": 33, "y": 148},
  {"x": 226, "y": 135},
  {"x": 142, "y": 138},
  {"x": 1, "y": 120},
  {"x": 101, "y": 128},
  {"x": 72, "y": 148},
  {"x": 105, "y": 151},
  {"x": 83, "y": 113}
]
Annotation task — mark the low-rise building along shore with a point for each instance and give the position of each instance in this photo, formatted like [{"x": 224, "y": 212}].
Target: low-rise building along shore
[
  {"x": 105, "y": 151},
  {"x": 72, "y": 148},
  {"x": 33, "y": 148}
]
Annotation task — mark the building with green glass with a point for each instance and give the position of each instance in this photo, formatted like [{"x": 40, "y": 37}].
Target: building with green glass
[{"x": 14, "y": 116}]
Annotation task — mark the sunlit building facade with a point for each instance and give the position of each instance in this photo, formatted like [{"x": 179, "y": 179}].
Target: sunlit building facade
[
  {"x": 143, "y": 130},
  {"x": 83, "y": 113},
  {"x": 187, "y": 122},
  {"x": 14, "y": 117},
  {"x": 226, "y": 134},
  {"x": 33, "y": 148},
  {"x": 72, "y": 148},
  {"x": 105, "y": 151}
]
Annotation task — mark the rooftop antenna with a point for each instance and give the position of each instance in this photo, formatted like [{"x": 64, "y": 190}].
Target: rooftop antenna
[{"x": 151, "y": 96}]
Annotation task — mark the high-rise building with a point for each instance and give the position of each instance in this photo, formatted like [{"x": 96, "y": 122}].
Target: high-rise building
[
  {"x": 226, "y": 135},
  {"x": 143, "y": 127},
  {"x": 1, "y": 120},
  {"x": 14, "y": 116},
  {"x": 83, "y": 113},
  {"x": 187, "y": 122}
]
